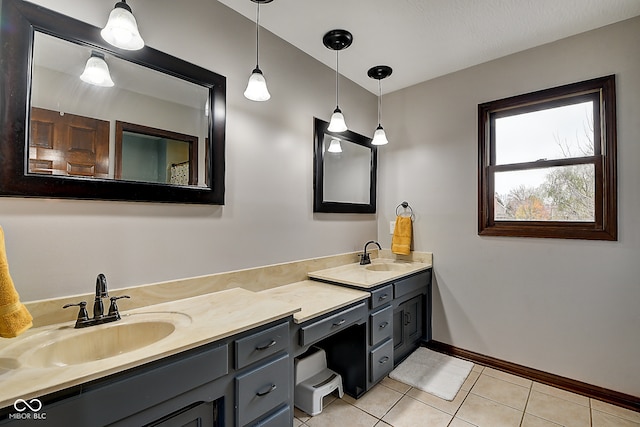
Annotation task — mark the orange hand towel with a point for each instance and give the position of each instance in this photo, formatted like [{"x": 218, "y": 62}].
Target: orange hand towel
[
  {"x": 14, "y": 316},
  {"x": 401, "y": 240}
]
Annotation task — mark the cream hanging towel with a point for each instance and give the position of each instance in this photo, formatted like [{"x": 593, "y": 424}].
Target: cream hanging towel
[
  {"x": 401, "y": 240},
  {"x": 14, "y": 316}
]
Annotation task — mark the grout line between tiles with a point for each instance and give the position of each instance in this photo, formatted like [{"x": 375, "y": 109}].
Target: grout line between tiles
[{"x": 526, "y": 404}]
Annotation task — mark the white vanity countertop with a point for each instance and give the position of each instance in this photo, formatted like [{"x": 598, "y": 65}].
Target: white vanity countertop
[
  {"x": 381, "y": 270},
  {"x": 197, "y": 321},
  {"x": 26, "y": 370},
  {"x": 315, "y": 298}
]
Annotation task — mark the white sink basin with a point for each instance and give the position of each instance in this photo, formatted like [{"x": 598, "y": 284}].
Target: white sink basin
[
  {"x": 63, "y": 346},
  {"x": 97, "y": 344},
  {"x": 386, "y": 266}
]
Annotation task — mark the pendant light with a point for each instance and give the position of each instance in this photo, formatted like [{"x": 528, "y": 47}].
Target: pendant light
[
  {"x": 96, "y": 71},
  {"x": 379, "y": 72},
  {"x": 334, "y": 146},
  {"x": 337, "y": 40},
  {"x": 122, "y": 29},
  {"x": 257, "y": 87}
]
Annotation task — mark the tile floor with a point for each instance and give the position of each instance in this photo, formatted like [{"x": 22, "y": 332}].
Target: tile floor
[{"x": 488, "y": 398}]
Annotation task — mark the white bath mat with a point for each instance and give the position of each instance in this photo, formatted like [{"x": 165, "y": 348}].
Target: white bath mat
[{"x": 433, "y": 372}]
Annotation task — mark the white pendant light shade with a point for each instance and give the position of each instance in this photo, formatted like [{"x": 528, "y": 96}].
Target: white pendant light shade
[
  {"x": 335, "y": 146},
  {"x": 122, "y": 29},
  {"x": 379, "y": 137},
  {"x": 96, "y": 72},
  {"x": 337, "y": 123},
  {"x": 379, "y": 72},
  {"x": 257, "y": 87}
]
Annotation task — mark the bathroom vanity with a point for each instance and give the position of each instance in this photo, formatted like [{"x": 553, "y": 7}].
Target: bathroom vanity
[
  {"x": 226, "y": 358},
  {"x": 244, "y": 378},
  {"x": 226, "y": 361},
  {"x": 398, "y": 319}
]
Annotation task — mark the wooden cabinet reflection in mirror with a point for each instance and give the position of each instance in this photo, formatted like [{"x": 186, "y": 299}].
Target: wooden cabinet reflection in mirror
[{"x": 68, "y": 144}]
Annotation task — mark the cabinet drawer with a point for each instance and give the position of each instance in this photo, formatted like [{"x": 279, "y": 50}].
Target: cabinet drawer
[
  {"x": 381, "y": 296},
  {"x": 381, "y": 324},
  {"x": 381, "y": 360},
  {"x": 410, "y": 284},
  {"x": 260, "y": 345},
  {"x": 281, "y": 418},
  {"x": 261, "y": 390},
  {"x": 325, "y": 327}
]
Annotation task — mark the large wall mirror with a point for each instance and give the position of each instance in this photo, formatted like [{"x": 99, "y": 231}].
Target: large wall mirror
[
  {"x": 156, "y": 134},
  {"x": 345, "y": 170}
]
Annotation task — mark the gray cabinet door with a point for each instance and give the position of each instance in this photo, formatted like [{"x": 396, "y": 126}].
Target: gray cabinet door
[
  {"x": 413, "y": 325},
  {"x": 408, "y": 327}
]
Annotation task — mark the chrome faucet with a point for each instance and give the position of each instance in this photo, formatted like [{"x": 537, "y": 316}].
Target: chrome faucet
[
  {"x": 98, "y": 307},
  {"x": 364, "y": 256}
]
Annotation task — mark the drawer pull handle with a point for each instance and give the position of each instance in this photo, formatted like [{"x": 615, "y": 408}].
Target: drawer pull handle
[
  {"x": 264, "y": 347},
  {"x": 384, "y": 325},
  {"x": 384, "y": 360},
  {"x": 383, "y": 297},
  {"x": 339, "y": 323},
  {"x": 264, "y": 393}
]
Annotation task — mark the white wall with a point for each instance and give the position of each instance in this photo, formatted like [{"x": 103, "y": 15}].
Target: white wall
[
  {"x": 565, "y": 307},
  {"x": 56, "y": 247}
]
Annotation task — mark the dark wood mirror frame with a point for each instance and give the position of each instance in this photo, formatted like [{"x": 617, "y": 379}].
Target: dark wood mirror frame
[
  {"x": 19, "y": 22},
  {"x": 319, "y": 204}
]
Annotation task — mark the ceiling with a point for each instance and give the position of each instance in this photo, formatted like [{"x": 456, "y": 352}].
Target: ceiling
[{"x": 424, "y": 39}]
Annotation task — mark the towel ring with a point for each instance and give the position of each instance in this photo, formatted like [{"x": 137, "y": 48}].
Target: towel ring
[{"x": 405, "y": 205}]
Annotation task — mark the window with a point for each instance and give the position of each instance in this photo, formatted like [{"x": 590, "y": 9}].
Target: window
[{"x": 547, "y": 163}]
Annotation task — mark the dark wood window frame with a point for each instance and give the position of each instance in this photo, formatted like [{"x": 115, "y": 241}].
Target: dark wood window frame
[{"x": 604, "y": 227}]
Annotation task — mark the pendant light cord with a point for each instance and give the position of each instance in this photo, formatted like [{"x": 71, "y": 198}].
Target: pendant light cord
[
  {"x": 379, "y": 101},
  {"x": 337, "y": 52},
  {"x": 257, "y": 33}
]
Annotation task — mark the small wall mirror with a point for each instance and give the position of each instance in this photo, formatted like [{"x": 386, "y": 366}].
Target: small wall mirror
[
  {"x": 345, "y": 171},
  {"x": 156, "y": 134}
]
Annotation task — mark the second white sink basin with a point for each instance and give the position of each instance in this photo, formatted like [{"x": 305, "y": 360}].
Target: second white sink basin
[{"x": 386, "y": 266}]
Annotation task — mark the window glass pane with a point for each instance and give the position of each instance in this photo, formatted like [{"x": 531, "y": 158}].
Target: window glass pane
[
  {"x": 564, "y": 193},
  {"x": 553, "y": 133}
]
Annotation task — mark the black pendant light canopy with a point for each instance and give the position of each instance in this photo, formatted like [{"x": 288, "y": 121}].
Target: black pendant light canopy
[
  {"x": 379, "y": 72},
  {"x": 337, "y": 40}
]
